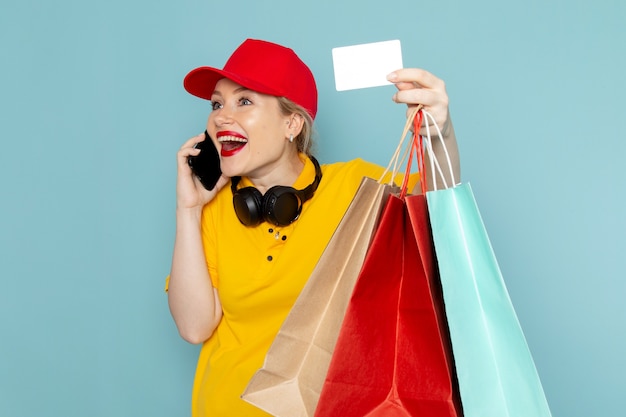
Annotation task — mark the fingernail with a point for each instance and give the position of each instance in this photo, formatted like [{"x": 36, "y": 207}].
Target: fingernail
[{"x": 392, "y": 77}]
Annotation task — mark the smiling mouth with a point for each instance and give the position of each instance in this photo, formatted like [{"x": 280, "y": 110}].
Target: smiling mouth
[{"x": 231, "y": 144}]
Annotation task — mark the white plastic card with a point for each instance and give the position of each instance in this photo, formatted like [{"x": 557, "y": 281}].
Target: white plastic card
[{"x": 366, "y": 65}]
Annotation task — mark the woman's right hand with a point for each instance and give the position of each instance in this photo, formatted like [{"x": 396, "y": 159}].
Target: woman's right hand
[
  {"x": 190, "y": 193},
  {"x": 193, "y": 301}
]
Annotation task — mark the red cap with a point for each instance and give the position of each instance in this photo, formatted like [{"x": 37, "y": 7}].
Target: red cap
[{"x": 264, "y": 67}]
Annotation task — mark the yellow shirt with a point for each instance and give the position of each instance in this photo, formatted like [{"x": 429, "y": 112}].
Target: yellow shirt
[{"x": 259, "y": 272}]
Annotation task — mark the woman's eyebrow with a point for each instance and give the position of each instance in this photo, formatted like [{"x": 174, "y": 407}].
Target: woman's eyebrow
[
  {"x": 236, "y": 91},
  {"x": 241, "y": 89}
]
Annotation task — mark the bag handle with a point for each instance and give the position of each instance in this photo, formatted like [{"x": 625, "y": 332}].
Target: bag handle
[
  {"x": 397, "y": 160},
  {"x": 415, "y": 148},
  {"x": 426, "y": 143},
  {"x": 419, "y": 144}
]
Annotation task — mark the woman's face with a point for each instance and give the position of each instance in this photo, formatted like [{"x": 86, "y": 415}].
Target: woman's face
[{"x": 250, "y": 132}]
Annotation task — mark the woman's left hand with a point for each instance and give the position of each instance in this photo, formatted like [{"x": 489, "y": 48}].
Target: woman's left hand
[{"x": 417, "y": 86}]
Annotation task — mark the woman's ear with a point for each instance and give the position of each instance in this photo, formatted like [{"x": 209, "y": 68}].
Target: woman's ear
[{"x": 295, "y": 122}]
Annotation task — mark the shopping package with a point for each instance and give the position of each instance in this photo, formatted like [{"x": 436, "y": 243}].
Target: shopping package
[
  {"x": 393, "y": 356},
  {"x": 496, "y": 373},
  {"x": 290, "y": 381}
]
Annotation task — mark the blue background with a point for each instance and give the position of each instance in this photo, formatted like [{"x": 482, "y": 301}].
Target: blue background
[{"x": 92, "y": 111}]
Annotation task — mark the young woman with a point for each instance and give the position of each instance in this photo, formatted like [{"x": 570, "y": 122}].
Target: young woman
[{"x": 242, "y": 254}]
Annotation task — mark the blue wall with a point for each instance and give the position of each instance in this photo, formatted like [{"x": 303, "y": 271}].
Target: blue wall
[{"x": 92, "y": 111}]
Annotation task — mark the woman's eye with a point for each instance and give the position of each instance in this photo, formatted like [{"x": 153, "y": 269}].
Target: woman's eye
[
  {"x": 215, "y": 105},
  {"x": 244, "y": 101}
]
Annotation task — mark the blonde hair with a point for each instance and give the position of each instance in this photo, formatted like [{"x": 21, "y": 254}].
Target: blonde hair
[{"x": 304, "y": 140}]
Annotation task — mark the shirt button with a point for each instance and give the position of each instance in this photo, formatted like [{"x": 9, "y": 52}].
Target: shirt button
[{"x": 269, "y": 258}]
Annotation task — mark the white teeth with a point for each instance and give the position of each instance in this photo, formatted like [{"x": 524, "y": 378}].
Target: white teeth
[{"x": 231, "y": 139}]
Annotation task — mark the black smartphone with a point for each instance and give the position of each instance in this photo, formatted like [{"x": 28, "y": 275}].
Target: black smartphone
[{"x": 206, "y": 165}]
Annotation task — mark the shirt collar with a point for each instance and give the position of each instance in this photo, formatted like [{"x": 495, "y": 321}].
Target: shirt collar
[{"x": 306, "y": 177}]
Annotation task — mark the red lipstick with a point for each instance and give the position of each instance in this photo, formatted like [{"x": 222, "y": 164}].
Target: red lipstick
[{"x": 231, "y": 142}]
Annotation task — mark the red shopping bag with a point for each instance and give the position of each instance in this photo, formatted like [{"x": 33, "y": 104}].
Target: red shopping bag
[{"x": 393, "y": 356}]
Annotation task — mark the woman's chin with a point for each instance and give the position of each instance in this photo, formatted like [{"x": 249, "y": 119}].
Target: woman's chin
[{"x": 231, "y": 170}]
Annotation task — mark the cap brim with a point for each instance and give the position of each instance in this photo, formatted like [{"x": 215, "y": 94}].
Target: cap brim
[{"x": 201, "y": 82}]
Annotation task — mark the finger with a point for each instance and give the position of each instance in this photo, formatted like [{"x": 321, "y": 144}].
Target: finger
[
  {"x": 417, "y": 75},
  {"x": 189, "y": 149},
  {"x": 192, "y": 142},
  {"x": 182, "y": 158},
  {"x": 438, "y": 114},
  {"x": 422, "y": 96},
  {"x": 405, "y": 85},
  {"x": 186, "y": 152}
]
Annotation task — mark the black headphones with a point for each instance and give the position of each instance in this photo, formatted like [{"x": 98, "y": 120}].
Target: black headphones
[{"x": 280, "y": 206}]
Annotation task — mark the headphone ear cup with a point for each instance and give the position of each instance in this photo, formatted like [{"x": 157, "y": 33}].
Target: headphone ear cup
[
  {"x": 248, "y": 203},
  {"x": 281, "y": 205}
]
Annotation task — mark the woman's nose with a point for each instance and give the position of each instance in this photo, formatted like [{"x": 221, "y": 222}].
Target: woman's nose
[{"x": 223, "y": 116}]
